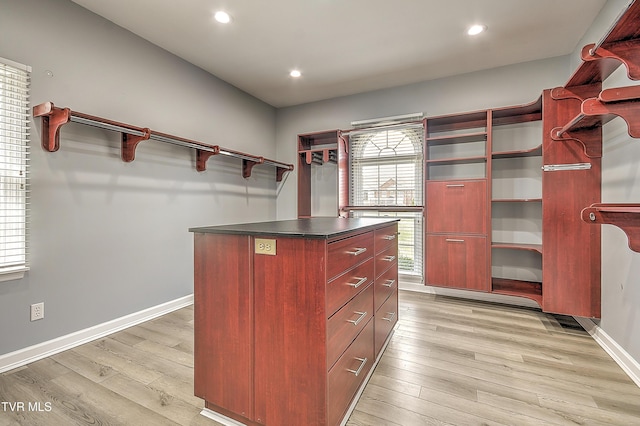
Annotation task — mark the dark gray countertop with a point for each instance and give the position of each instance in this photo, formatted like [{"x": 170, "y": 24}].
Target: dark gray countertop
[{"x": 317, "y": 227}]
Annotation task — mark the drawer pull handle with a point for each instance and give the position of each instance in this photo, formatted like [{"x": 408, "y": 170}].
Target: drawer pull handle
[
  {"x": 457, "y": 185},
  {"x": 389, "y": 258},
  {"x": 359, "y": 283},
  {"x": 390, "y": 237},
  {"x": 357, "y": 251},
  {"x": 391, "y": 316},
  {"x": 363, "y": 362},
  {"x": 356, "y": 322},
  {"x": 389, "y": 283},
  {"x": 454, "y": 240}
]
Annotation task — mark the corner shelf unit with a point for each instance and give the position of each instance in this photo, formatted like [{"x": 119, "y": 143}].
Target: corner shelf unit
[{"x": 53, "y": 118}]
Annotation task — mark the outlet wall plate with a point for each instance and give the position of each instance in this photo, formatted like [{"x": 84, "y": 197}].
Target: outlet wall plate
[{"x": 37, "y": 311}]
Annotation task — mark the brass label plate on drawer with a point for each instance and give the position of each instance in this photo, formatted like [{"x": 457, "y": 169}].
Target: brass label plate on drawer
[{"x": 265, "y": 246}]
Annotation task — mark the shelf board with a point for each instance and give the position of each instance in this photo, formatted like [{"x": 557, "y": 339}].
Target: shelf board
[
  {"x": 518, "y": 114},
  {"x": 517, "y": 200},
  {"x": 529, "y": 289},
  {"x": 625, "y": 216},
  {"x": 458, "y": 160},
  {"x": 518, "y": 246},
  {"x": 447, "y": 123},
  {"x": 532, "y": 152},
  {"x": 460, "y": 138}
]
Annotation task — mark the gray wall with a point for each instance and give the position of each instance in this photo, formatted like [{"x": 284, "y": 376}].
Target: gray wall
[
  {"x": 109, "y": 238},
  {"x": 620, "y": 183}
]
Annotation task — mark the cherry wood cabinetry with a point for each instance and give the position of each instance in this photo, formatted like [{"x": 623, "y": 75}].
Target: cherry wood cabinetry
[
  {"x": 289, "y": 336},
  {"x": 457, "y": 214}
]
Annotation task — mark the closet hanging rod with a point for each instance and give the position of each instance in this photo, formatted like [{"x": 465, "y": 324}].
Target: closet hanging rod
[
  {"x": 604, "y": 38},
  {"x": 55, "y": 117}
]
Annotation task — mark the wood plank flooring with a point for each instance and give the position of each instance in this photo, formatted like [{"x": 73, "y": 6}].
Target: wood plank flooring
[{"x": 450, "y": 361}]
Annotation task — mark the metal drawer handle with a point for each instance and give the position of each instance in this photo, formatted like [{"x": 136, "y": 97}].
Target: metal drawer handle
[
  {"x": 391, "y": 316},
  {"x": 457, "y": 185},
  {"x": 388, "y": 283},
  {"x": 453, "y": 240},
  {"x": 389, "y": 258},
  {"x": 363, "y": 361},
  {"x": 358, "y": 251},
  {"x": 359, "y": 283},
  {"x": 390, "y": 237},
  {"x": 356, "y": 322}
]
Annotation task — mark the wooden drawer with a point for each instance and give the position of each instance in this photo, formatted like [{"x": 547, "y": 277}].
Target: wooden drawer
[
  {"x": 385, "y": 284},
  {"x": 345, "y": 325},
  {"x": 345, "y": 254},
  {"x": 348, "y": 373},
  {"x": 386, "y": 259},
  {"x": 385, "y": 319},
  {"x": 457, "y": 207},
  {"x": 341, "y": 289},
  {"x": 385, "y": 237},
  {"x": 457, "y": 261}
]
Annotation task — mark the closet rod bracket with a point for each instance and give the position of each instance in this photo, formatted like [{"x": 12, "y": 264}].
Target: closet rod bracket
[{"x": 52, "y": 119}]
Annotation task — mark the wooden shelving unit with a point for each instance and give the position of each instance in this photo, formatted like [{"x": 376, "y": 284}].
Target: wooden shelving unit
[{"x": 53, "y": 118}]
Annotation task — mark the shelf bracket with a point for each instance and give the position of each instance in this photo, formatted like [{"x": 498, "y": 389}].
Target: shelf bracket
[
  {"x": 624, "y": 216},
  {"x": 280, "y": 171},
  {"x": 52, "y": 119},
  {"x": 130, "y": 143},
  {"x": 247, "y": 166},
  {"x": 202, "y": 156},
  {"x": 590, "y": 139},
  {"x": 628, "y": 110},
  {"x": 627, "y": 52}
]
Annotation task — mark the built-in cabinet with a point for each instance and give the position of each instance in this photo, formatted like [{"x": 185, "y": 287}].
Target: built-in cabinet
[{"x": 511, "y": 192}]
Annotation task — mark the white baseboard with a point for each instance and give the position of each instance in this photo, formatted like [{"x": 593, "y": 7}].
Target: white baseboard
[
  {"x": 619, "y": 355},
  {"x": 33, "y": 353}
]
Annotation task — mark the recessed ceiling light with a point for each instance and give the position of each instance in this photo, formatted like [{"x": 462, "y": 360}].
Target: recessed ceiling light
[
  {"x": 222, "y": 17},
  {"x": 295, "y": 73},
  {"x": 476, "y": 29}
]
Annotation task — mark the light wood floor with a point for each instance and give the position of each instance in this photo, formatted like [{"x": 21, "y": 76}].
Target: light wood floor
[{"x": 450, "y": 361}]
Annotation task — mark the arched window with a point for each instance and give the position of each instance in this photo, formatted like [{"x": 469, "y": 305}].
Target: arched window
[{"x": 386, "y": 176}]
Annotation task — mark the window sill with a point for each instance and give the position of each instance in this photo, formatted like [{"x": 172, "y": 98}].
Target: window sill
[{"x": 11, "y": 274}]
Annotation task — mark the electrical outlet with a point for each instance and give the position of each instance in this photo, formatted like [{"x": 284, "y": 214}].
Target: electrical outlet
[{"x": 37, "y": 311}]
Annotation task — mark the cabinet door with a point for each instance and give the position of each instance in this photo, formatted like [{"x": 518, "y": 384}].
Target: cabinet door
[
  {"x": 457, "y": 206},
  {"x": 457, "y": 261}
]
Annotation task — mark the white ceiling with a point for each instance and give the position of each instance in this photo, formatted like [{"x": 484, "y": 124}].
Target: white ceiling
[{"x": 344, "y": 47}]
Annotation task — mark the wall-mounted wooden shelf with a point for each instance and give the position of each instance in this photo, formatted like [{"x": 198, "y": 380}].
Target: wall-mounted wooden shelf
[
  {"x": 53, "y": 118},
  {"x": 625, "y": 216},
  {"x": 620, "y": 45},
  {"x": 597, "y": 111},
  {"x": 517, "y": 246},
  {"x": 531, "y": 152},
  {"x": 529, "y": 289}
]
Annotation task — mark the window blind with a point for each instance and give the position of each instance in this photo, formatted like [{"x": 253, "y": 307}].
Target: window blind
[
  {"x": 386, "y": 172},
  {"x": 14, "y": 166}
]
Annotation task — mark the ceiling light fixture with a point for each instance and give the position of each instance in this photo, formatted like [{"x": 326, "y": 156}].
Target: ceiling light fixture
[
  {"x": 476, "y": 29},
  {"x": 222, "y": 17},
  {"x": 295, "y": 73}
]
